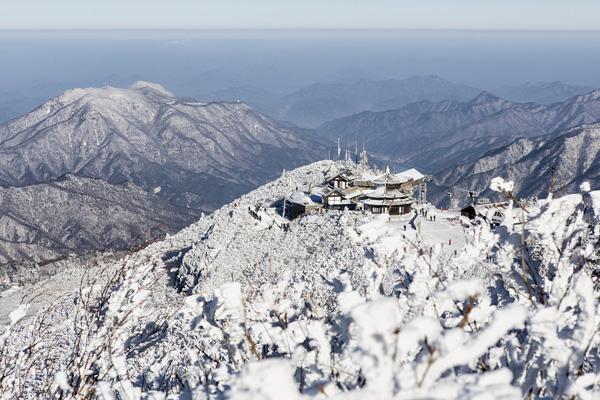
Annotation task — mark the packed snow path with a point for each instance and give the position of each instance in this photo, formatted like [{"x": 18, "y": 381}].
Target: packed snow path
[{"x": 442, "y": 232}]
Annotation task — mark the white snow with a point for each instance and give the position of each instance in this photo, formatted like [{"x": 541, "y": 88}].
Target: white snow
[
  {"x": 441, "y": 232},
  {"x": 151, "y": 85},
  {"x": 411, "y": 174},
  {"x": 270, "y": 379},
  {"x": 18, "y": 314},
  {"x": 595, "y": 196},
  {"x": 60, "y": 378},
  {"x": 585, "y": 187},
  {"x": 498, "y": 184},
  {"x": 300, "y": 198}
]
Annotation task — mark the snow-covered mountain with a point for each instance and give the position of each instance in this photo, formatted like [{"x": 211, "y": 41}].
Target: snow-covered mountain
[
  {"x": 574, "y": 155},
  {"x": 320, "y": 102},
  {"x": 76, "y": 215},
  {"x": 340, "y": 305},
  {"x": 541, "y": 92},
  {"x": 200, "y": 155},
  {"x": 434, "y": 136},
  {"x": 186, "y": 157},
  {"x": 261, "y": 100}
]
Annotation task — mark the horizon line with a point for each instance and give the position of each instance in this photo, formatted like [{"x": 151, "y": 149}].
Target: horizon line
[{"x": 296, "y": 29}]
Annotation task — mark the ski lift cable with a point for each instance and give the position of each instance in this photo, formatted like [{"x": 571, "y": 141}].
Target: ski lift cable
[{"x": 472, "y": 193}]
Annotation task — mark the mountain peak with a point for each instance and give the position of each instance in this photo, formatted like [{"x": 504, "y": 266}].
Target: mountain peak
[
  {"x": 156, "y": 87},
  {"x": 590, "y": 96},
  {"x": 485, "y": 97},
  {"x": 430, "y": 77},
  {"x": 129, "y": 134},
  {"x": 107, "y": 97}
]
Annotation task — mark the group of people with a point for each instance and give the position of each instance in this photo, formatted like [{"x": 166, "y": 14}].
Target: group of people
[{"x": 425, "y": 213}]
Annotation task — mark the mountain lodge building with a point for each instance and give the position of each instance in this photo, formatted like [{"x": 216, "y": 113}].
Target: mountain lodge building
[
  {"x": 336, "y": 199},
  {"x": 387, "y": 193},
  {"x": 341, "y": 181}
]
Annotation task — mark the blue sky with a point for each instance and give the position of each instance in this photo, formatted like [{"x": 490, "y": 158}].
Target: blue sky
[{"x": 307, "y": 14}]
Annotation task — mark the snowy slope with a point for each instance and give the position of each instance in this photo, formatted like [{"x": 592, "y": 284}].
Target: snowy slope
[
  {"x": 81, "y": 215},
  {"x": 342, "y": 306},
  {"x": 574, "y": 153}
]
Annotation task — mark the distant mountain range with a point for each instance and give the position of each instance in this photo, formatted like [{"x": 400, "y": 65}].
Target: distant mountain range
[
  {"x": 559, "y": 162},
  {"x": 320, "y": 102},
  {"x": 193, "y": 156},
  {"x": 317, "y": 103},
  {"x": 541, "y": 92},
  {"x": 435, "y": 136}
]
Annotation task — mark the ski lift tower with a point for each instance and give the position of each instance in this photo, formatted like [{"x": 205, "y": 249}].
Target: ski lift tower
[
  {"x": 423, "y": 188},
  {"x": 473, "y": 195}
]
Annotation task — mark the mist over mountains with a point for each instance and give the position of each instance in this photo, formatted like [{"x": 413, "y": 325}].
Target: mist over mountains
[
  {"x": 320, "y": 102},
  {"x": 541, "y": 92},
  {"x": 315, "y": 104},
  {"x": 191, "y": 63}
]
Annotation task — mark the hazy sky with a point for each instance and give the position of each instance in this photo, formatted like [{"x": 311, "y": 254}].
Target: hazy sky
[{"x": 227, "y": 14}]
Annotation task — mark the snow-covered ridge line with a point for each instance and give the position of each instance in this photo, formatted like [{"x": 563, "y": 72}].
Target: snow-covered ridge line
[
  {"x": 418, "y": 133},
  {"x": 559, "y": 162}
]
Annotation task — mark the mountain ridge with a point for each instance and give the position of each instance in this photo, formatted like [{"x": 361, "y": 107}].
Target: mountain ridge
[
  {"x": 190, "y": 157},
  {"x": 541, "y": 92},
  {"x": 78, "y": 215},
  {"x": 120, "y": 129},
  {"x": 418, "y": 133},
  {"x": 316, "y": 103},
  {"x": 557, "y": 162}
]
